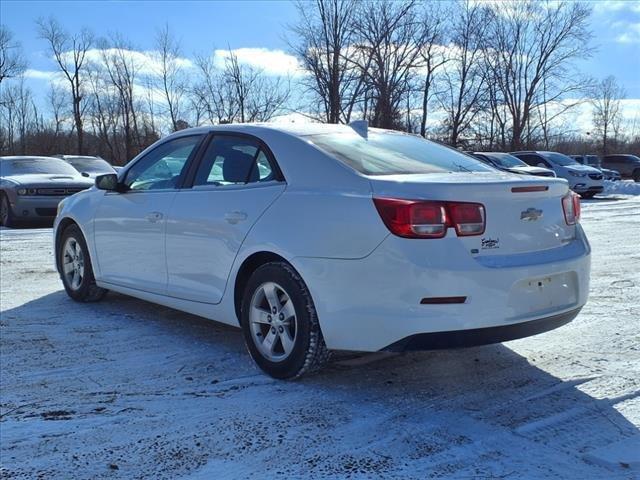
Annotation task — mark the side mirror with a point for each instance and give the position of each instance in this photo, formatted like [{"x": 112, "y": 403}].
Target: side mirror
[
  {"x": 542, "y": 165},
  {"x": 107, "y": 182}
]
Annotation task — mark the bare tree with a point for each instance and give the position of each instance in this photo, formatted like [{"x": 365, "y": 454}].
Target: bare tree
[
  {"x": 70, "y": 52},
  {"x": 605, "y": 102},
  {"x": 387, "y": 52},
  {"x": 326, "y": 34},
  {"x": 531, "y": 48},
  {"x": 257, "y": 97},
  {"x": 19, "y": 116},
  {"x": 464, "y": 77},
  {"x": 213, "y": 93},
  {"x": 432, "y": 56},
  {"x": 12, "y": 62},
  {"x": 170, "y": 74},
  {"x": 121, "y": 71}
]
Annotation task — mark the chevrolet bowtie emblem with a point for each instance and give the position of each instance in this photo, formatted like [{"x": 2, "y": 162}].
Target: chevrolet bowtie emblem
[{"x": 530, "y": 214}]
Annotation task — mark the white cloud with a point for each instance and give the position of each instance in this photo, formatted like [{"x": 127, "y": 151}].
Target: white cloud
[
  {"x": 272, "y": 62},
  {"x": 617, "y": 6},
  {"x": 631, "y": 35},
  {"x": 41, "y": 74},
  {"x": 145, "y": 62}
]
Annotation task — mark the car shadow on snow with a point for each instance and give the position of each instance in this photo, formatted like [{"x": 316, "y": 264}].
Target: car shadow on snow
[{"x": 415, "y": 407}]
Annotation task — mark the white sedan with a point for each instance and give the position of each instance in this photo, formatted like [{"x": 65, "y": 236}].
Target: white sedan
[{"x": 315, "y": 238}]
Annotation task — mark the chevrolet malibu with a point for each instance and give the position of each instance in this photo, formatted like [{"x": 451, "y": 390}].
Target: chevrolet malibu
[{"x": 314, "y": 238}]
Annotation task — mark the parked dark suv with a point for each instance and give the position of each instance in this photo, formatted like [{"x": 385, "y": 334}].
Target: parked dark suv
[{"x": 627, "y": 165}]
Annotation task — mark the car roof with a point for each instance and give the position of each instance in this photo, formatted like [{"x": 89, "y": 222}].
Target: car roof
[
  {"x": 28, "y": 157},
  {"x": 296, "y": 129}
]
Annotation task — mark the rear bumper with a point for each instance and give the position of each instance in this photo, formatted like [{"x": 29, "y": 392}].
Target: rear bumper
[
  {"x": 372, "y": 303},
  {"x": 481, "y": 336}
]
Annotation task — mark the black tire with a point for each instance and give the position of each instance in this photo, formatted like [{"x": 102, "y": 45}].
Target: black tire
[
  {"x": 7, "y": 218},
  {"x": 587, "y": 195},
  {"x": 309, "y": 353},
  {"x": 87, "y": 291},
  {"x": 636, "y": 175}
]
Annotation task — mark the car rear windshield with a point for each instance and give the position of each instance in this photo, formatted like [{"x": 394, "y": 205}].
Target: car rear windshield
[
  {"x": 559, "y": 159},
  {"x": 90, "y": 165},
  {"x": 506, "y": 160},
  {"x": 47, "y": 166},
  {"x": 388, "y": 153}
]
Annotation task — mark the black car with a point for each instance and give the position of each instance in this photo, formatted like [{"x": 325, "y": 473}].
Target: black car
[
  {"x": 627, "y": 165},
  {"x": 595, "y": 162},
  {"x": 509, "y": 163}
]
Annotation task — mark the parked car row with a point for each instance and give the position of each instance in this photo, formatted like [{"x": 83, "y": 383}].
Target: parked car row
[
  {"x": 31, "y": 187},
  {"x": 585, "y": 173}
]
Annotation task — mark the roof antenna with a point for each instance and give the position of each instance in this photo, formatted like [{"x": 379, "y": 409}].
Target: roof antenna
[{"x": 361, "y": 127}]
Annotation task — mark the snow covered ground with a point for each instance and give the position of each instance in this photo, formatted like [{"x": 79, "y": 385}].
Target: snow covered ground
[{"x": 127, "y": 389}]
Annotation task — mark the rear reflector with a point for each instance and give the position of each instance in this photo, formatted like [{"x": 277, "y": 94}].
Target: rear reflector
[
  {"x": 571, "y": 208},
  {"x": 442, "y": 300},
  {"x": 533, "y": 188}
]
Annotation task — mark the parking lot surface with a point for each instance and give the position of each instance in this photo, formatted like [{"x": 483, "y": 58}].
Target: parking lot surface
[{"x": 128, "y": 389}]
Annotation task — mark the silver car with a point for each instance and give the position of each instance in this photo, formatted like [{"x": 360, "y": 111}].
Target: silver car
[
  {"x": 88, "y": 166},
  {"x": 32, "y": 187}
]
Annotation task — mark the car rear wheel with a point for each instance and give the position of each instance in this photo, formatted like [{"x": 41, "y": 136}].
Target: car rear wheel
[
  {"x": 280, "y": 323},
  {"x": 75, "y": 267},
  {"x": 7, "y": 218}
]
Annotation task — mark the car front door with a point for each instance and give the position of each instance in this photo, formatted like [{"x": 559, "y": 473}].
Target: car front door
[
  {"x": 130, "y": 225},
  {"x": 236, "y": 181}
]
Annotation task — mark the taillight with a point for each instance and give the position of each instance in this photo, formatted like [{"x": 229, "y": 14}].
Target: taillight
[
  {"x": 429, "y": 219},
  {"x": 571, "y": 208},
  {"x": 467, "y": 218}
]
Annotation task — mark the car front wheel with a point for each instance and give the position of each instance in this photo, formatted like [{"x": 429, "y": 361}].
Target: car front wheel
[
  {"x": 280, "y": 323},
  {"x": 6, "y": 214},
  {"x": 75, "y": 267}
]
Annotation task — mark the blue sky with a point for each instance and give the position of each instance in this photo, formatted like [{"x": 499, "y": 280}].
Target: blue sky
[{"x": 201, "y": 26}]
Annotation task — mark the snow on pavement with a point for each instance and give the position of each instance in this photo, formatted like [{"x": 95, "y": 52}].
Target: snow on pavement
[{"x": 128, "y": 389}]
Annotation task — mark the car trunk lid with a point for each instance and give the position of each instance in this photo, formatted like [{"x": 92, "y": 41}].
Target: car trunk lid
[{"x": 522, "y": 214}]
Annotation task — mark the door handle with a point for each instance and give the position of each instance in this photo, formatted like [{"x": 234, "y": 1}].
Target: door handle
[
  {"x": 235, "y": 217},
  {"x": 153, "y": 217}
]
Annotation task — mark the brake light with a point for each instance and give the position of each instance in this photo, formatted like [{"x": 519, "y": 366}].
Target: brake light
[
  {"x": 571, "y": 208},
  {"x": 430, "y": 219}
]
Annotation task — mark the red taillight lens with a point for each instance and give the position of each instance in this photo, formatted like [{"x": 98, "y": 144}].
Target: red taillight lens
[
  {"x": 467, "y": 218},
  {"x": 571, "y": 208},
  {"x": 413, "y": 219},
  {"x": 428, "y": 219}
]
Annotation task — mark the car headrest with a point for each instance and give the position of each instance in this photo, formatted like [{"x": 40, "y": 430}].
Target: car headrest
[{"x": 239, "y": 167}]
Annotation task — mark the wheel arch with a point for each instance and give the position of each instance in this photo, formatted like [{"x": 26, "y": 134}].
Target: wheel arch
[
  {"x": 248, "y": 266},
  {"x": 65, "y": 223}
]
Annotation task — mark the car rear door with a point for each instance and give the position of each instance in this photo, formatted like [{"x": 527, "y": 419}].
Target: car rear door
[
  {"x": 130, "y": 226},
  {"x": 236, "y": 181}
]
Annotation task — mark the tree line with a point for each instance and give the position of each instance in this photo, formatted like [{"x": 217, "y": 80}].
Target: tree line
[{"x": 470, "y": 74}]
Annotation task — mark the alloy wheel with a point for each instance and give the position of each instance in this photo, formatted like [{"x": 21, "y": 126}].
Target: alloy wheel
[
  {"x": 273, "y": 322},
  {"x": 73, "y": 263}
]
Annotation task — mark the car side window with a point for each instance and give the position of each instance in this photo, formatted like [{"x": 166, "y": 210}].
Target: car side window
[
  {"x": 231, "y": 160},
  {"x": 162, "y": 167}
]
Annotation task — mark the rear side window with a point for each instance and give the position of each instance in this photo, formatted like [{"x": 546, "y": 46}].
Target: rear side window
[
  {"x": 233, "y": 160},
  {"x": 395, "y": 153}
]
